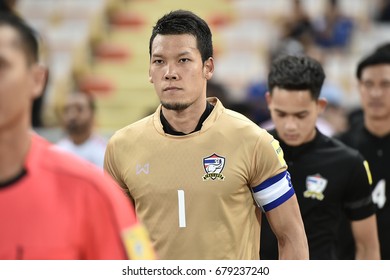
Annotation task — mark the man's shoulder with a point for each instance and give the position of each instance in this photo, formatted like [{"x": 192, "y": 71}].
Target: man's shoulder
[
  {"x": 352, "y": 135},
  {"x": 97, "y": 142},
  {"x": 236, "y": 120},
  {"x": 76, "y": 174},
  {"x": 64, "y": 142},
  {"x": 65, "y": 164},
  {"x": 236, "y": 116},
  {"x": 79, "y": 179},
  {"x": 50, "y": 159},
  {"x": 336, "y": 147},
  {"x": 132, "y": 130}
]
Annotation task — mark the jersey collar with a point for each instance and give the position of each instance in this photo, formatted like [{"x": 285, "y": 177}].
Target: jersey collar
[{"x": 205, "y": 124}]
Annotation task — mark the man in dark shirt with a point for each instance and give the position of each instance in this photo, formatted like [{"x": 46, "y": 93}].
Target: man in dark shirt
[
  {"x": 329, "y": 178},
  {"x": 372, "y": 138}
]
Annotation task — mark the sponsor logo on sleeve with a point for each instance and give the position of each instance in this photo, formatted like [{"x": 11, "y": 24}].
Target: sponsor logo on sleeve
[{"x": 279, "y": 152}]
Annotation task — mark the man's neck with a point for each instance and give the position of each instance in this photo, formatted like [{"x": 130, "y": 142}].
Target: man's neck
[
  {"x": 377, "y": 127},
  {"x": 14, "y": 145},
  {"x": 79, "y": 139},
  {"x": 184, "y": 121}
]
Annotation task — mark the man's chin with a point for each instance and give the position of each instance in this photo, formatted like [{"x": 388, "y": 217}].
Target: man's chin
[
  {"x": 175, "y": 106},
  {"x": 292, "y": 143},
  {"x": 75, "y": 130}
]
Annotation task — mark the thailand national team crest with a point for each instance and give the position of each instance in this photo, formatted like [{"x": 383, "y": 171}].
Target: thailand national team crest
[
  {"x": 213, "y": 165},
  {"x": 315, "y": 186}
]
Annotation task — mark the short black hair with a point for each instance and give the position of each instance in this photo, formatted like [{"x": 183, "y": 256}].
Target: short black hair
[
  {"x": 384, "y": 47},
  {"x": 292, "y": 72},
  {"x": 27, "y": 34},
  {"x": 185, "y": 22},
  {"x": 381, "y": 55}
]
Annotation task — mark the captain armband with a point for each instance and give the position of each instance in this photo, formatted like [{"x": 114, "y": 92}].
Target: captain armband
[{"x": 274, "y": 191}]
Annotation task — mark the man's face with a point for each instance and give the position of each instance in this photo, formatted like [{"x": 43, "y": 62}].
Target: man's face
[
  {"x": 177, "y": 72},
  {"x": 374, "y": 88},
  {"x": 77, "y": 114},
  {"x": 294, "y": 114},
  {"x": 17, "y": 79}
]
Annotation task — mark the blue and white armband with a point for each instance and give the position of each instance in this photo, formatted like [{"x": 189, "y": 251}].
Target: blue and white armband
[{"x": 274, "y": 191}]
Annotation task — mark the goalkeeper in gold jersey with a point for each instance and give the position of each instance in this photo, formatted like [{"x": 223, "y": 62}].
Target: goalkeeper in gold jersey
[{"x": 198, "y": 173}]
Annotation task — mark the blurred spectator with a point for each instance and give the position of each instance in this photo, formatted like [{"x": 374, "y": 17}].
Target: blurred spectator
[
  {"x": 296, "y": 38},
  {"x": 334, "y": 118},
  {"x": 299, "y": 26},
  {"x": 257, "y": 106},
  {"x": 77, "y": 119},
  {"x": 383, "y": 12},
  {"x": 333, "y": 30},
  {"x": 217, "y": 89}
]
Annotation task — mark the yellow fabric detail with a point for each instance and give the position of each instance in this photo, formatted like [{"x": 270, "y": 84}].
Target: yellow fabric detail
[
  {"x": 367, "y": 167},
  {"x": 137, "y": 244},
  {"x": 279, "y": 152}
]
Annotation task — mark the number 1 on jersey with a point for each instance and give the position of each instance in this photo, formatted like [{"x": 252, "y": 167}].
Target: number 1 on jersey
[{"x": 182, "y": 208}]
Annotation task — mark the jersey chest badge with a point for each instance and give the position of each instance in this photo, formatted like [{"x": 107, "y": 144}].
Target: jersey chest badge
[
  {"x": 213, "y": 165},
  {"x": 315, "y": 186}
]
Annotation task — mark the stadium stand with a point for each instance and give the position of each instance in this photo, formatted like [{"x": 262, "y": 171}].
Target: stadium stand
[{"x": 102, "y": 46}]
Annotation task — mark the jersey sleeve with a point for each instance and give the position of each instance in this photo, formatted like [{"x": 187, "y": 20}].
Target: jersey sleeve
[
  {"x": 271, "y": 183},
  {"x": 111, "y": 168},
  {"x": 111, "y": 226},
  {"x": 358, "y": 202}
]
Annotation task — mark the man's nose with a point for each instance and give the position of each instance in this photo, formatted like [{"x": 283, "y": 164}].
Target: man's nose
[
  {"x": 376, "y": 92},
  {"x": 171, "y": 73},
  {"x": 290, "y": 123}
]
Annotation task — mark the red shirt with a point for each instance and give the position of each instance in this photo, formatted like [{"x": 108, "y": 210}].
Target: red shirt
[{"x": 65, "y": 208}]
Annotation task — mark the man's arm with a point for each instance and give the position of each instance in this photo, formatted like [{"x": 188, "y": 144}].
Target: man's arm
[
  {"x": 365, "y": 234},
  {"x": 111, "y": 168},
  {"x": 287, "y": 225}
]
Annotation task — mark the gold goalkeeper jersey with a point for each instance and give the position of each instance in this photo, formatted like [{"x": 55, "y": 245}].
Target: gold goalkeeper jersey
[{"x": 195, "y": 193}]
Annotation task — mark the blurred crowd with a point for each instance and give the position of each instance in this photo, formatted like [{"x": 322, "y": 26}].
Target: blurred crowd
[{"x": 331, "y": 34}]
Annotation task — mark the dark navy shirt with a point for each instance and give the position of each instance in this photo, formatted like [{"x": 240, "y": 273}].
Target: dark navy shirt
[
  {"x": 329, "y": 178},
  {"x": 376, "y": 150}
]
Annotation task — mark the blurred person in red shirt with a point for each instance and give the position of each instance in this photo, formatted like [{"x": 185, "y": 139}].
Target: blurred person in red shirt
[{"x": 52, "y": 205}]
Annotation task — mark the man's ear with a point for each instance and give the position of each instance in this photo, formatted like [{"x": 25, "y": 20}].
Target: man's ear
[
  {"x": 268, "y": 98},
  {"x": 39, "y": 80},
  {"x": 150, "y": 77},
  {"x": 208, "y": 68},
  {"x": 321, "y": 104}
]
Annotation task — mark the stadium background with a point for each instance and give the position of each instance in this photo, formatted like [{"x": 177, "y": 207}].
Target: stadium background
[{"x": 101, "y": 46}]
